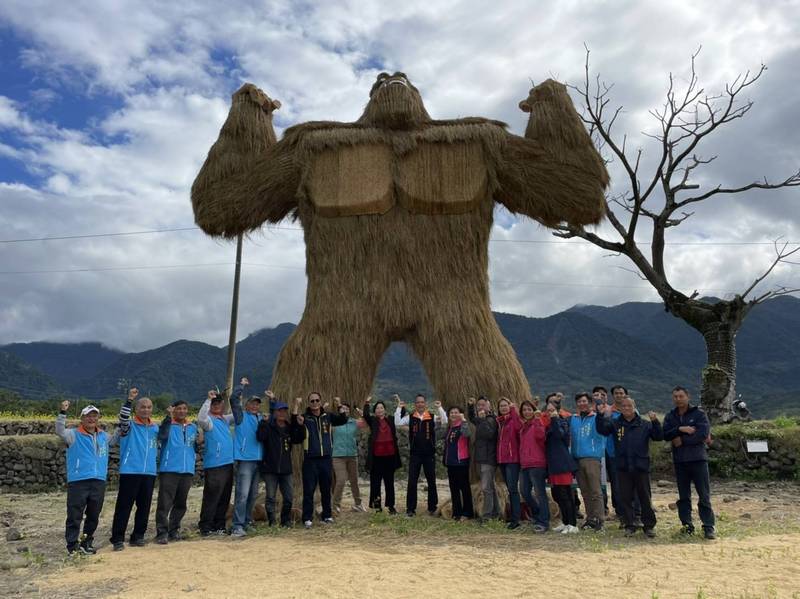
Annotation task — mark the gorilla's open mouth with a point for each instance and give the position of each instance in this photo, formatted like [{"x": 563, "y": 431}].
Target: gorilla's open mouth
[{"x": 402, "y": 82}]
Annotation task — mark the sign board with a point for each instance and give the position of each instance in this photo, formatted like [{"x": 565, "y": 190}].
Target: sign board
[{"x": 757, "y": 447}]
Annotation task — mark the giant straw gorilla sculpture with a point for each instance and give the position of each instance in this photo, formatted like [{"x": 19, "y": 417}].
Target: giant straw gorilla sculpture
[{"x": 397, "y": 209}]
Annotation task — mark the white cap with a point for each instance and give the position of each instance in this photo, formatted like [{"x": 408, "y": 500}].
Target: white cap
[{"x": 89, "y": 409}]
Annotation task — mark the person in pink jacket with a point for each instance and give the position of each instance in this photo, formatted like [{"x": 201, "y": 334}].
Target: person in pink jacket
[
  {"x": 533, "y": 464},
  {"x": 508, "y": 427}
]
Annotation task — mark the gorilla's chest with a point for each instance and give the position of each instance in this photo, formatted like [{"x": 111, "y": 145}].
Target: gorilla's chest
[{"x": 367, "y": 171}]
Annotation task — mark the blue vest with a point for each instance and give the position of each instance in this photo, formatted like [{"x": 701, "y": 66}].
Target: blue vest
[
  {"x": 177, "y": 453},
  {"x": 344, "y": 440},
  {"x": 87, "y": 457},
  {"x": 138, "y": 449},
  {"x": 585, "y": 441},
  {"x": 218, "y": 449},
  {"x": 246, "y": 447}
]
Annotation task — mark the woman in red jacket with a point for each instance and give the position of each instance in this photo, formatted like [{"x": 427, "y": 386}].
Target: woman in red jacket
[
  {"x": 533, "y": 464},
  {"x": 508, "y": 427}
]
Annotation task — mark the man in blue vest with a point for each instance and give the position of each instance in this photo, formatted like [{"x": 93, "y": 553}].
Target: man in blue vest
[
  {"x": 247, "y": 453},
  {"x": 87, "y": 468},
  {"x": 138, "y": 446},
  {"x": 179, "y": 440},
  {"x": 588, "y": 447},
  {"x": 217, "y": 463}
]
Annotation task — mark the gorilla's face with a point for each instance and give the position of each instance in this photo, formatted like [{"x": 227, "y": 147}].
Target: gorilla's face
[{"x": 394, "y": 103}]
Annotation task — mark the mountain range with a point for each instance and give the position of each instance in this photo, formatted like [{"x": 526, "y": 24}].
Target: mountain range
[{"x": 636, "y": 344}]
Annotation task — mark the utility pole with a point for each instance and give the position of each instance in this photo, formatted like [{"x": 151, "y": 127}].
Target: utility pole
[{"x": 234, "y": 317}]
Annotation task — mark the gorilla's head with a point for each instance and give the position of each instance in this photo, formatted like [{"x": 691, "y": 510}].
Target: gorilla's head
[{"x": 394, "y": 103}]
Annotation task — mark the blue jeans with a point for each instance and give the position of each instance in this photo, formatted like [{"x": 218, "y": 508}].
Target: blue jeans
[
  {"x": 511, "y": 476},
  {"x": 540, "y": 507},
  {"x": 686, "y": 474},
  {"x": 247, "y": 478}
]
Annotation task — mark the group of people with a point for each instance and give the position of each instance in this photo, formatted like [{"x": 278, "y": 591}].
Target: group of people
[{"x": 606, "y": 439}]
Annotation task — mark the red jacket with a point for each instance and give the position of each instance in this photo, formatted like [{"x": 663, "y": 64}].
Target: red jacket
[
  {"x": 508, "y": 428},
  {"x": 532, "y": 437}
]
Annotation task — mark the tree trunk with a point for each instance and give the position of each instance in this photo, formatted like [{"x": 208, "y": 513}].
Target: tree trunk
[
  {"x": 719, "y": 374},
  {"x": 718, "y": 323}
]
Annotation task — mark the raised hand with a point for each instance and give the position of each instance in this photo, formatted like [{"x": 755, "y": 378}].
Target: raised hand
[
  {"x": 471, "y": 401},
  {"x": 269, "y": 394},
  {"x": 359, "y": 413},
  {"x": 133, "y": 393},
  {"x": 437, "y": 404},
  {"x": 337, "y": 402},
  {"x": 652, "y": 416},
  {"x": 65, "y": 405},
  {"x": 368, "y": 401},
  {"x": 211, "y": 394},
  {"x": 244, "y": 382},
  {"x": 325, "y": 405}
]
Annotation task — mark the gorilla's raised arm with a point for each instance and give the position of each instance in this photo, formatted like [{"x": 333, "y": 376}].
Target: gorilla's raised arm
[
  {"x": 554, "y": 174},
  {"x": 248, "y": 177}
]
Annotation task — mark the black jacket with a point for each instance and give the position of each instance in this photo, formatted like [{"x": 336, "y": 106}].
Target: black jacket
[
  {"x": 484, "y": 450},
  {"x": 693, "y": 447},
  {"x": 320, "y": 443},
  {"x": 559, "y": 458},
  {"x": 373, "y": 424},
  {"x": 277, "y": 442},
  {"x": 631, "y": 440}
]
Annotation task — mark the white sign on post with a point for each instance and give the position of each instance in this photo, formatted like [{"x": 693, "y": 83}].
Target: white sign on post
[{"x": 757, "y": 447}]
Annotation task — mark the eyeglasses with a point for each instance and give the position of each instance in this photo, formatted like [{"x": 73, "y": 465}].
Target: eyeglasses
[{"x": 313, "y": 401}]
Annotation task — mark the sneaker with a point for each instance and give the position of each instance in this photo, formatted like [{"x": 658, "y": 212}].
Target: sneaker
[
  {"x": 709, "y": 533},
  {"x": 206, "y": 533},
  {"x": 539, "y": 529},
  {"x": 629, "y": 532},
  {"x": 649, "y": 533},
  {"x": 72, "y": 551},
  {"x": 307, "y": 524},
  {"x": 118, "y": 546},
  {"x": 512, "y": 525},
  {"x": 327, "y": 520},
  {"x": 687, "y": 529},
  {"x": 86, "y": 547},
  {"x": 410, "y": 514},
  {"x": 359, "y": 508},
  {"x": 175, "y": 536},
  {"x": 136, "y": 542},
  {"x": 162, "y": 540},
  {"x": 560, "y": 528},
  {"x": 238, "y": 532},
  {"x": 587, "y": 524},
  {"x": 570, "y": 530},
  {"x": 392, "y": 511}
]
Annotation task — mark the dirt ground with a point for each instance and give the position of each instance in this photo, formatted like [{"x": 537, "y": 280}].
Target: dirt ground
[{"x": 375, "y": 555}]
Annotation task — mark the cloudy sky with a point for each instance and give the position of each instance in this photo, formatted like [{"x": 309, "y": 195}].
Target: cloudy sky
[{"x": 107, "y": 110}]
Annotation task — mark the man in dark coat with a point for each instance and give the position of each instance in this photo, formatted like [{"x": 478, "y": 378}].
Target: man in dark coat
[
  {"x": 688, "y": 429},
  {"x": 632, "y": 437}
]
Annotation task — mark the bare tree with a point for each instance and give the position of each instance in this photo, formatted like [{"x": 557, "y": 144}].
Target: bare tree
[{"x": 685, "y": 120}]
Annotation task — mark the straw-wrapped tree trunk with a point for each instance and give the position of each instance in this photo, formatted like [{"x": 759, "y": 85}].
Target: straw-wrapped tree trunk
[{"x": 685, "y": 120}]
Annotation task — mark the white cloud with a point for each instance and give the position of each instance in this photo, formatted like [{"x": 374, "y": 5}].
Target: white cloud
[{"x": 131, "y": 169}]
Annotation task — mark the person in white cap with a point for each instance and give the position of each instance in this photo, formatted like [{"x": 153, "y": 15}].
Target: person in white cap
[{"x": 87, "y": 469}]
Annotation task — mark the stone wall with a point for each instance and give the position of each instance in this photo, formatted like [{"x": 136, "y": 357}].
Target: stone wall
[{"x": 32, "y": 457}]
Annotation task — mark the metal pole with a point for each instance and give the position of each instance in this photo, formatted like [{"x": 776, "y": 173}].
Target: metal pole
[{"x": 234, "y": 317}]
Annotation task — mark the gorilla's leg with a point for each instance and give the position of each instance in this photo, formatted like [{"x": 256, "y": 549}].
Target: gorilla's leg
[
  {"x": 330, "y": 354},
  {"x": 465, "y": 355}
]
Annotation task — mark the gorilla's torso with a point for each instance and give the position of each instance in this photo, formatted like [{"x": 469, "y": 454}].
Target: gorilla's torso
[{"x": 408, "y": 213}]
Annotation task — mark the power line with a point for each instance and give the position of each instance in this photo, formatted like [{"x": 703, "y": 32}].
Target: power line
[{"x": 534, "y": 241}]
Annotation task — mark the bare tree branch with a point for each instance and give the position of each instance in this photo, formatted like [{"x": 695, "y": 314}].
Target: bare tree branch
[
  {"x": 791, "y": 181},
  {"x": 780, "y": 256}
]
